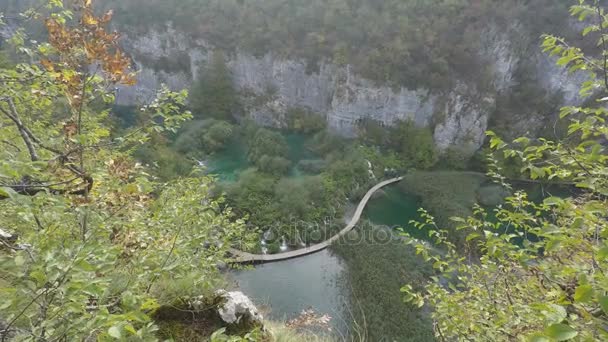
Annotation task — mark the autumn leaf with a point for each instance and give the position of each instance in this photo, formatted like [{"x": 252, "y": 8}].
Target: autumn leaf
[{"x": 48, "y": 65}]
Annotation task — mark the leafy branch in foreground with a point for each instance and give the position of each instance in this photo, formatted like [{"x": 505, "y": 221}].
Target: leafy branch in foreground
[
  {"x": 542, "y": 271},
  {"x": 91, "y": 237}
]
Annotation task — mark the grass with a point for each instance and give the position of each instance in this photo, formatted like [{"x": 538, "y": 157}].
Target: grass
[
  {"x": 280, "y": 333},
  {"x": 445, "y": 194}
]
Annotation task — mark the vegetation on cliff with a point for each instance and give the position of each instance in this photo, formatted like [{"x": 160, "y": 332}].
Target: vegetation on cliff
[{"x": 403, "y": 43}]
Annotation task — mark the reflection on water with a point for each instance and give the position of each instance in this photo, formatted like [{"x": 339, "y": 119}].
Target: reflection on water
[{"x": 291, "y": 286}]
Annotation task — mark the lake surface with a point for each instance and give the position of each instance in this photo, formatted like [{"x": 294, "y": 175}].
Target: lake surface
[
  {"x": 232, "y": 160},
  {"x": 288, "y": 287},
  {"x": 395, "y": 209},
  {"x": 284, "y": 289},
  {"x": 317, "y": 281}
]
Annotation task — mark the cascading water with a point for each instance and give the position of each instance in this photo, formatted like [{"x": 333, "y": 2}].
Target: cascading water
[{"x": 284, "y": 246}]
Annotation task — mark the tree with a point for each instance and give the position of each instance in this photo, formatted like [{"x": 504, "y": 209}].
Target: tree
[
  {"x": 217, "y": 136},
  {"x": 350, "y": 173},
  {"x": 541, "y": 275},
  {"x": 87, "y": 235},
  {"x": 415, "y": 145},
  {"x": 276, "y": 166},
  {"x": 304, "y": 199},
  {"x": 213, "y": 94},
  {"x": 268, "y": 151},
  {"x": 253, "y": 194}
]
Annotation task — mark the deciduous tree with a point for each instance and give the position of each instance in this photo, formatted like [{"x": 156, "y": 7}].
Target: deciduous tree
[{"x": 91, "y": 233}]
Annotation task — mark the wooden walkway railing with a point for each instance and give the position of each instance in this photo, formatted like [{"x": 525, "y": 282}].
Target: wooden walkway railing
[{"x": 244, "y": 257}]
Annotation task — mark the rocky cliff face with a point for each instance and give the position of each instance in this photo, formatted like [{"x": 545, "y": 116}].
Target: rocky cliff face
[{"x": 272, "y": 86}]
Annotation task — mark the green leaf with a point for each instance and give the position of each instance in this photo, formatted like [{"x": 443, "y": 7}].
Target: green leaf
[
  {"x": 150, "y": 305},
  {"x": 114, "y": 332},
  {"x": 583, "y": 294},
  {"x": 7, "y": 192},
  {"x": 473, "y": 236},
  {"x": 537, "y": 172},
  {"x": 523, "y": 141},
  {"x": 602, "y": 254},
  {"x": 216, "y": 335},
  {"x": 85, "y": 266},
  {"x": 537, "y": 337},
  {"x": 129, "y": 328},
  {"x": 592, "y": 28},
  {"x": 553, "y": 201},
  {"x": 555, "y": 313},
  {"x": 604, "y": 303},
  {"x": 19, "y": 260},
  {"x": 560, "y": 332}
]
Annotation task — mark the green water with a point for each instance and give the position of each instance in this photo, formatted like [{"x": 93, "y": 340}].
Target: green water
[
  {"x": 298, "y": 150},
  {"x": 228, "y": 163},
  {"x": 283, "y": 289},
  {"x": 232, "y": 160},
  {"x": 395, "y": 209}
]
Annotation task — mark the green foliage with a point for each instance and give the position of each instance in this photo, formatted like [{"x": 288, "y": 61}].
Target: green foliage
[
  {"x": 313, "y": 167},
  {"x": 401, "y": 146},
  {"x": 252, "y": 194},
  {"x": 303, "y": 199},
  {"x": 411, "y": 43},
  {"x": 220, "y": 336},
  {"x": 373, "y": 132},
  {"x": 540, "y": 275},
  {"x": 97, "y": 235},
  {"x": 348, "y": 171},
  {"x": 201, "y": 138},
  {"x": 384, "y": 163},
  {"x": 213, "y": 94},
  {"x": 276, "y": 204},
  {"x": 281, "y": 333},
  {"x": 217, "y": 136},
  {"x": 275, "y": 201},
  {"x": 5, "y": 60},
  {"x": 274, "y": 247},
  {"x": 273, "y": 165},
  {"x": 326, "y": 143},
  {"x": 414, "y": 145},
  {"x": 268, "y": 151},
  {"x": 165, "y": 162}
]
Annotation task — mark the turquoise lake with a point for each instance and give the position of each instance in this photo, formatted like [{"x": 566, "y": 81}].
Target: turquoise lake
[{"x": 284, "y": 289}]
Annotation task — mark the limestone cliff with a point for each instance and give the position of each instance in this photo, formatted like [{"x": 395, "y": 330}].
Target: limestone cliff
[{"x": 272, "y": 85}]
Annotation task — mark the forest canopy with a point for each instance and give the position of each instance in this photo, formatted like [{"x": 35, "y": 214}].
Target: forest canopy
[{"x": 403, "y": 43}]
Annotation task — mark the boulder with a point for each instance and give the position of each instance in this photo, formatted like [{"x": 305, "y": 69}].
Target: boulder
[{"x": 237, "y": 308}]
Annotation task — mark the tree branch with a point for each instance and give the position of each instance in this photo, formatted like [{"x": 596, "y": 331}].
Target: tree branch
[
  {"x": 603, "y": 41},
  {"x": 14, "y": 116}
]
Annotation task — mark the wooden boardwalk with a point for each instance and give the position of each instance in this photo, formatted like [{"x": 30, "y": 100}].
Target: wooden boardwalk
[{"x": 244, "y": 257}]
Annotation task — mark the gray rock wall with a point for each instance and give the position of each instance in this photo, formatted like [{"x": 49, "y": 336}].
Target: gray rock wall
[{"x": 458, "y": 117}]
